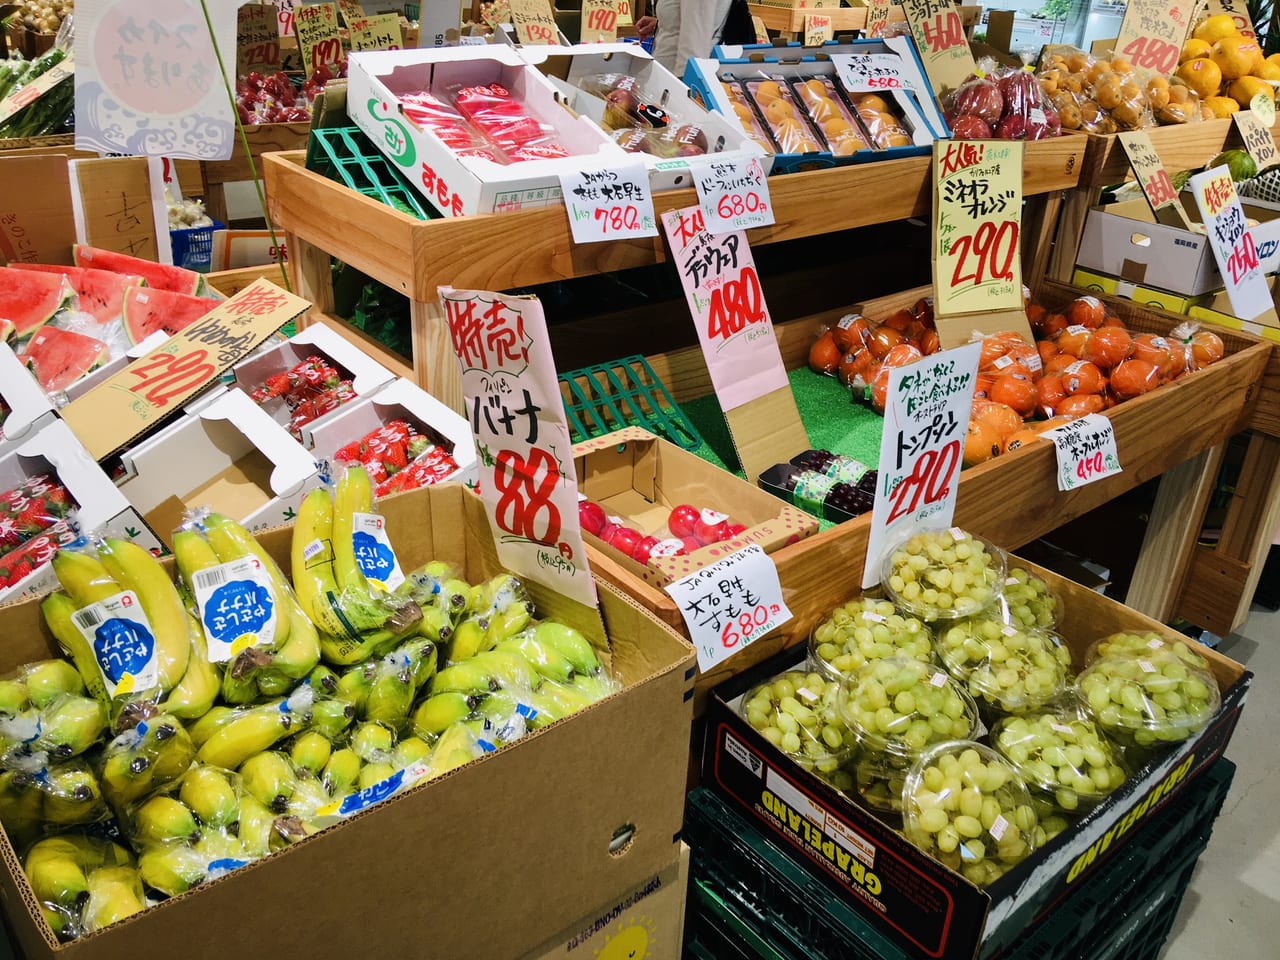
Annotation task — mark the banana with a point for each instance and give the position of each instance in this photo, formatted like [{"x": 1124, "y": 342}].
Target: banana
[
  {"x": 255, "y": 827},
  {"x": 308, "y": 797},
  {"x": 172, "y": 868},
  {"x": 436, "y": 624},
  {"x": 570, "y": 644},
  {"x": 298, "y": 656},
  {"x": 171, "y": 745},
  {"x": 195, "y": 694},
  {"x": 410, "y": 750},
  {"x": 230, "y": 541},
  {"x": 84, "y": 577},
  {"x": 163, "y": 819},
  {"x": 314, "y": 580},
  {"x": 391, "y": 694},
  {"x": 239, "y": 676},
  {"x": 341, "y": 772},
  {"x": 330, "y": 718},
  {"x": 135, "y": 568},
  {"x": 48, "y": 679},
  {"x": 310, "y": 751},
  {"x": 424, "y": 657},
  {"x": 65, "y": 926},
  {"x": 126, "y": 778},
  {"x": 220, "y": 846},
  {"x": 555, "y": 700},
  {"x": 21, "y": 807},
  {"x": 13, "y": 696},
  {"x": 323, "y": 681},
  {"x": 497, "y": 595},
  {"x": 425, "y": 585},
  {"x": 509, "y": 623},
  {"x": 354, "y": 495},
  {"x": 114, "y": 894},
  {"x": 543, "y": 657},
  {"x": 70, "y": 725},
  {"x": 71, "y": 796},
  {"x": 595, "y": 687},
  {"x": 57, "y": 609},
  {"x": 372, "y": 742},
  {"x": 437, "y": 713},
  {"x": 208, "y": 793},
  {"x": 255, "y": 729},
  {"x": 146, "y": 758},
  {"x": 486, "y": 672},
  {"x": 270, "y": 779},
  {"x": 58, "y": 880},
  {"x": 372, "y": 773},
  {"x": 469, "y": 638},
  {"x": 455, "y": 597},
  {"x": 456, "y": 746},
  {"x": 205, "y": 727},
  {"x": 355, "y": 685}
]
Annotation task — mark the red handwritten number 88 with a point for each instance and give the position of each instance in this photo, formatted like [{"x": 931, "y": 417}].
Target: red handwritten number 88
[{"x": 522, "y": 501}]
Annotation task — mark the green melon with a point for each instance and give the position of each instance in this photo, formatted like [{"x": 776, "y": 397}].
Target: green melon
[
  {"x": 58, "y": 358},
  {"x": 147, "y": 310},
  {"x": 158, "y": 275},
  {"x": 100, "y": 292},
  {"x": 30, "y": 300}
]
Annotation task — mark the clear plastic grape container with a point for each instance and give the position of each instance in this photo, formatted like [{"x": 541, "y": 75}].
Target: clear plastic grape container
[
  {"x": 1148, "y": 701},
  {"x": 1004, "y": 667},
  {"x": 1028, "y": 602},
  {"x": 799, "y": 713},
  {"x": 1062, "y": 755},
  {"x": 866, "y": 629},
  {"x": 967, "y": 807},
  {"x": 1141, "y": 644},
  {"x": 943, "y": 574}
]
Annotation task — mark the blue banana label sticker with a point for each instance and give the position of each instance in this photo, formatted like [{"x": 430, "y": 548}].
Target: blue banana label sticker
[
  {"x": 398, "y": 782},
  {"x": 236, "y": 605},
  {"x": 223, "y": 866},
  {"x": 376, "y": 558},
  {"x": 123, "y": 644}
]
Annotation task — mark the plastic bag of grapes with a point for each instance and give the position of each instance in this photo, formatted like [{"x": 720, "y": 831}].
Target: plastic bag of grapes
[
  {"x": 1148, "y": 701},
  {"x": 966, "y": 807},
  {"x": 865, "y": 629},
  {"x": 1141, "y": 644},
  {"x": 799, "y": 713},
  {"x": 1062, "y": 756},
  {"x": 1028, "y": 602},
  {"x": 943, "y": 574},
  {"x": 895, "y": 709},
  {"x": 1005, "y": 668}
]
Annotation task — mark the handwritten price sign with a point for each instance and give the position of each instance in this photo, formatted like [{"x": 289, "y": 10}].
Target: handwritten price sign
[
  {"x": 351, "y": 12},
  {"x": 611, "y": 204},
  {"x": 1257, "y": 138},
  {"x": 1232, "y": 243},
  {"x": 1152, "y": 32},
  {"x": 877, "y": 17},
  {"x": 1086, "y": 450},
  {"x": 921, "y": 447},
  {"x": 284, "y": 17},
  {"x": 1237, "y": 10},
  {"x": 939, "y": 36},
  {"x": 1153, "y": 178},
  {"x": 599, "y": 21},
  {"x": 977, "y": 222},
  {"x": 318, "y": 37},
  {"x": 733, "y": 194},
  {"x": 724, "y": 295},
  {"x": 533, "y": 22},
  {"x": 528, "y": 483},
  {"x": 817, "y": 29},
  {"x": 257, "y": 39},
  {"x": 730, "y": 604},
  {"x": 376, "y": 33},
  {"x": 874, "y": 71}
]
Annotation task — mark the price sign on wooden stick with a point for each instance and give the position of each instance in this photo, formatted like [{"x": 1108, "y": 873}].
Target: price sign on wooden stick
[
  {"x": 1257, "y": 139},
  {"x": 257, "y": 39},
  {"x": 376, "y": 33},
  {"x": 318, "y": 36},
  {"x": 533, "y": 22},
  {"x": 599, "y": 21},
  {"x": 1154, "y": 179},
  {"x": 939, "y": 35},
  {"x": 1232, "y": 245}
]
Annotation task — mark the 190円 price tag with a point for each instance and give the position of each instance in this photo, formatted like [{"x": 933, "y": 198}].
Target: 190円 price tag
[
  {"x": 1086, "y": 450},
  {"x": 730, "y": 603},
  {"x": 609, "y": 204},
  {"x": 733, "y": 193}
]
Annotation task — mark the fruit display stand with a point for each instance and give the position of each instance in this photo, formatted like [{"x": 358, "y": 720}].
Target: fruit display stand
[
  {"x": 262, "y": 138},
  {"x": 789, "y": 21},
  {"x": 415, "y": 256}
]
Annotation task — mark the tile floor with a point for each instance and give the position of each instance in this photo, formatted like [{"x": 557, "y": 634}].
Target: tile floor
[{"x": 1232, "y": 909}]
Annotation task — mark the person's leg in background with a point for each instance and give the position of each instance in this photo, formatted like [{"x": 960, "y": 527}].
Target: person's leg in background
[{"x": 666, "y": 43}]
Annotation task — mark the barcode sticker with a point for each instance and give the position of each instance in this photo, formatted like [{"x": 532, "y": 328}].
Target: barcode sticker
[
  {"x": 123, "y": 644},
  {"x": 88, "y": 617},
  {"x": 237, "y": 606},
  {"x": 998, "y": 827},
  {"x": 1009, "y": 630},
  {"x": 312, "y": 549},
  {"x": 938, "y": 680},
  {"x": 1061, "y": 728},
  {"x": 873, "y": 616},
  {"x": 1146, "y": 667}
]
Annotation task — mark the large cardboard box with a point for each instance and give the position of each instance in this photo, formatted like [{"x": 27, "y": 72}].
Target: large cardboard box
[
  {"x": 29, "y": 408},
  {"x": 646, "y": 923},
  {"x": 463, "y": 185},
  {"x": 483, "y": 862},
  {"x": 229, "y": 455},
  {"x": 1147, "y": 296},
  {"x": 923, "y": 906},
  {"x": 1124, "y": 240},
  {"x": 639, "y": 477}
]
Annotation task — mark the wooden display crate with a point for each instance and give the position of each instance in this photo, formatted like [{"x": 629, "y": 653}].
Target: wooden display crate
[
  {"x": 1012, "y": 499},
  {"x": 788, "y": 20}
]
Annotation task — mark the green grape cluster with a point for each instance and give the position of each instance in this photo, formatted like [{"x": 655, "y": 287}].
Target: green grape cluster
[
  {"x": 1063, "y": 756},
  {"x": 967, "y": 807},
  {"x": 799, "y": 713},
  {"x": 944, "y": 574},
  {"x": 904, "y": 705},
  {"x": 1028, "y": 602},
  {"x": 1004, "y": 666},
  {"x": 863, "y": 630},
  {"x": 1149, "y": 700},
  {"x": 1124, "y": 644}
]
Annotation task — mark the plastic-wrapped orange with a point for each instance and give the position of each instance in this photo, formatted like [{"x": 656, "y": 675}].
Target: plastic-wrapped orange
[
  {"x": 981, "y": 443},
  {"x": 929, "y": 342},
  {"x": 858, "y": 365},
  {"x": 1020, "y": 438},
  {"x": 1083, "y": 377},
  {"x": 824, "y": 355},
  {"x": 1016, "y": 392},
  {"x": 851, "y": 332},
  {"x": 1157, "y": 351},
  {"x": 1086, "y": 311},
  {"x": 1002, "y": 417},
  {"x": 1206, "y": 348},
  {"x": 1132, "y": 378},
  {"x": 1048, "y": 350},
  {"x": 900, "y": 355},
  {"x": 1073, "y": 340},
  {"x": 900, "y": 319},
  {"x": 1050, "y": 325},
  {"x": 1108, "y": 346},
  {"x": 982, "y": 386},
  {"x": 882, "y": 339},
  {"x": 1050, "y": 392},
  {"x": 1081, "y": 404}
]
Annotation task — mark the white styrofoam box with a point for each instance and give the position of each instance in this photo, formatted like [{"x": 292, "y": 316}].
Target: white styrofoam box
[
  {"x": 101, "y": 508},
  {"x": 367, "y": 375},
  {"x": 465, "y": 185},
  {"x": 29, "y": 407},
  {"x": 564, "y": 66},
  {"x": 196, "y": 449},
  {"x": 405, "y": 400}
]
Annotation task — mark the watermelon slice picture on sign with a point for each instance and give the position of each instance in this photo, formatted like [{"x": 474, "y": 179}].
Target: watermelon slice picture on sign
[{"x": 30, "y": 300}]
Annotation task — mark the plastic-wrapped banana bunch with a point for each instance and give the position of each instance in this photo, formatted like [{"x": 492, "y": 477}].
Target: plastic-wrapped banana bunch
[{"x": 83, "y": 883}]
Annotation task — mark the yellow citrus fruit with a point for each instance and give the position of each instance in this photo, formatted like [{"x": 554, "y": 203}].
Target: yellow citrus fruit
[
  {"x": 1246, "y": 88},
  {"x": 1221, "y": 106},
  {"x": 1274, "y": 58},
  {"x": 1202, "y": 75},
  {"x": 1268, "y": 70},
  {"x": 1194, "y": 49},
  {"x": 1214, "y": 28},
  {"x": 1236, "y": 56}
]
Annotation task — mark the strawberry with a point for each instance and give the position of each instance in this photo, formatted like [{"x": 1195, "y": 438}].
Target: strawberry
[
  {"x": 418, "y": 446},
  {"x": 394, "y": 457},
  {"x": 18, "y": 572},
  {"x": 8, "y": 533},
  {"x": 376, "y": 471},
  {"x": 352, "y": 452}
]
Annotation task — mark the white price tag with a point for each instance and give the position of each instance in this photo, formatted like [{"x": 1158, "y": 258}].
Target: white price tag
[
  {"x": 871, "y": 72},
  {"x": 122, "y": 641},
  {"x": 374, "y": 555},
  {"x": 609, "y": 204},
  {"x": 1086, "y": 450},
  {"x": 730, "y": 603},
  {"x": 733, "y": 193},
  {"x": 1232, "y": 243},
  {"x": 237, "y": 607}
]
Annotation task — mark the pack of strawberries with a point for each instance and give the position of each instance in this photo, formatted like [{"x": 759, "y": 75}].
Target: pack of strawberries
[
  {"x": 397, "y": 457},
  {"x": 310, "y": 388},
  {"x": 35, "y": 520}
]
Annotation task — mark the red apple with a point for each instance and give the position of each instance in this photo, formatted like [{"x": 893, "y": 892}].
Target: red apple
[
  {"x": 644, "y": 549},
  {"x": 710, "y": 527},
  {"x": 968, "y": 127},
  {"x": 625, "y": 540},
  {"x": 980, "y": 97},
  {"x": 1018, "y": 89},
  {"x": 734, "y": 530},
  {"x": 1012, "y": 127},
  {"x": 689, "y": 545},
  {"x": 682, "y": 520},
  {"x": 591, "y": 516}
]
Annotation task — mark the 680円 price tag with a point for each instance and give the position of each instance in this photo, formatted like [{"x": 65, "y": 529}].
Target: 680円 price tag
[
  {"x": 729, "y": 604},
  {"x": 1086, "y": 450},
  {"x": 732, "y": 192}
]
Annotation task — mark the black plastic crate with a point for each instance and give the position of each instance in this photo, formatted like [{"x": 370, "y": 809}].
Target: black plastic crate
[{"x": 1123, "y": 913}]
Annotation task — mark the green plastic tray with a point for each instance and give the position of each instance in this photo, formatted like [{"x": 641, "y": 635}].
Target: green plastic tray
[
  {"x": 346, "y": 155},
  {"x": 623, "y": 393}
]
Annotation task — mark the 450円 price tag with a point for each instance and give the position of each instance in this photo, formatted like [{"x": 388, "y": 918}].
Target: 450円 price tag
[{"x": 1086, "y": 450}]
